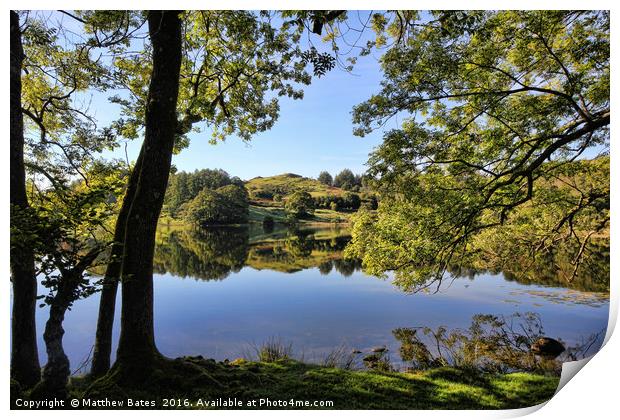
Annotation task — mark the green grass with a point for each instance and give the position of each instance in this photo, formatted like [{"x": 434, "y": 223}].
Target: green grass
[
  {"x": 287, "y": 183},
  {"x": 277, "y": 213},
  {"x": 443, "y": 388}
]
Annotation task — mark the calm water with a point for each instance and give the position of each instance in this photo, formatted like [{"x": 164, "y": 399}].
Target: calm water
[{"x": 219, "y": 293}]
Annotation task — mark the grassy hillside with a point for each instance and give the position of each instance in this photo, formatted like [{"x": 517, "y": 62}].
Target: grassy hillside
[
  {"x": 259, "y": 210},
  {"x": 267, "y": 187}
]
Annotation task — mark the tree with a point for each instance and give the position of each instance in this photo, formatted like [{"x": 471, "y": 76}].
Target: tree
[
  {"x": 325, "y": 178},
  {"x": 225, "y": 86},
  {"x": 59, "y": 134},
  {"x": 299, "y": 204},
  {"x": 24, "y": 355},
  {"x": 72, "y": 238},
  {"x": 511, "y": 100},
  {"x": 107, "y": 302},
  {"x": 226, "y": 205},
  {"x": 228, "y": 90},
  {"x": 351, "y": 201},
  {"x": 345, "y": 179},
  {"x": 137, "y": 342},
  {"x": 183, "y": 186}
]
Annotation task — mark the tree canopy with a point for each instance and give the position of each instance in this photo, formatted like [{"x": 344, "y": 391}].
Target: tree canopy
[
  {"x": 225, "y": 205},
  {"x": 345, "y": 179},
  {"x": 325, "y": 178},
  {"x": 299, "y": 204},
  {"x": 498, "y": 109},
  {"x": 184, "y": 186}
]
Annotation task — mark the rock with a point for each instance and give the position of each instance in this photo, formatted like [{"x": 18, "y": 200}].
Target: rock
[
  {"x": 547, "y": 347},
  {"x": 379, "y": 349}
]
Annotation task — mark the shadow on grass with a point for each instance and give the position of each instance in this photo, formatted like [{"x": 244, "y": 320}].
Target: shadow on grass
[{"x": 443, "y": 388}]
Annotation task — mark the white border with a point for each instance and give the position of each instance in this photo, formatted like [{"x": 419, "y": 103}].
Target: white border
[{"x": 593, "y": 394}]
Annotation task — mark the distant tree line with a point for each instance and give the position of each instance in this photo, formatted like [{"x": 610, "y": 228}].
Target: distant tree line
[
  {"x": 206, "y": 197},
  {"x": 347, "y": 201},
  {"x": 345, "y": 179},
  {"x": 185, "y": 186}
]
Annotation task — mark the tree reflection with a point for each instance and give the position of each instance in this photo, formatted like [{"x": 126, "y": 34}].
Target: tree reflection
[
  {"x": 209, "y": 254},
  {"x": 216, "y": 252},
  {"x": 552, "y": 267}
]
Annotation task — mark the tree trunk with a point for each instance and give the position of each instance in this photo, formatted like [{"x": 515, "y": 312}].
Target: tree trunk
[
  {"x": 107, "y": 303},
  {"x": 25, "y": 366},
  {"x": 56, "y": 371},
  {"x": 137, "y": 350}
]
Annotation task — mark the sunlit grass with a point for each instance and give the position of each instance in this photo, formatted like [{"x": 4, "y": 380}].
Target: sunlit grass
[{"x": 284, "y": 379}]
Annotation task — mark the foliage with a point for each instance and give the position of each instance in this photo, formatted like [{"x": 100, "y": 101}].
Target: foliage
[
  {"x": 274, "y": 350},
  {"x": 61, "y": 132},
  {"x": 345, "y": 179},
  {"x": 68, "y": 226},
  {"x": 325, "y": 178},
  {"x": 491, "y": 344},
  {"x": 299, "y": 204},
  {"x": 184, "y": 186},
  {"x": 347, "y": 201},
  {"x": 225, "y": 205},
  {"x": 351, "y": 201},
  {"x": 236, "y": 64},
  {"x": 498, "y": 107}
]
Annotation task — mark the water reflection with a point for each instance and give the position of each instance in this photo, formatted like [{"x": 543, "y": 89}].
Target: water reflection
[
  {"x": 555, "y": 267},
  {"x": 202, "y": 254},
  {"x": 296, "y": 284},
  {"x": 213, "y": 254}
]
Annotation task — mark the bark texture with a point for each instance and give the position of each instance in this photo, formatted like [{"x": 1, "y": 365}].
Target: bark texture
[
  {"x": 137, "y": 350},
  {"x": 25, "y": 366},
  {"x": 107, "y": 303},
  {"x": 57, "y": 370}
]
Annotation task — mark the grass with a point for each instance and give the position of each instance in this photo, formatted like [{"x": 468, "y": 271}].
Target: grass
[
  {"x": 277, "y": 213},
  {"x": 272, "y": 350},
  {"x": 195, "y": 378},
  {"x": 287, "y": 183}
]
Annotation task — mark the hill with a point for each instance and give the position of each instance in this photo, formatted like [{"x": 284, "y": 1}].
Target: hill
[{"x": 265, "y": 188}]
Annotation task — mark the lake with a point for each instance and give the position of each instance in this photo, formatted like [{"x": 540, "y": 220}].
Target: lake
[{"x": 223, "y": 292}]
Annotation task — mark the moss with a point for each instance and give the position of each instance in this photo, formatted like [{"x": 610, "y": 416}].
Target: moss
[{"x": 196, "y": 378}]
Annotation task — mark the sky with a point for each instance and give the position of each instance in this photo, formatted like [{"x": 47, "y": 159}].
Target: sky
[{"x": 311, "y": 135}]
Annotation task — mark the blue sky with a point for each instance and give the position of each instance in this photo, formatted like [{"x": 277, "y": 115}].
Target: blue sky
[{"x": 311, "y": 135}]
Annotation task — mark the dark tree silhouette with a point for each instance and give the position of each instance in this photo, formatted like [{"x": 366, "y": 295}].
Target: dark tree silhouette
[
  {"x": 25, "y": 366},
  {"x": 107, "y": 302},
  {"x": 137, "y": 348},
  {"x": 325, "y": 178}
]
